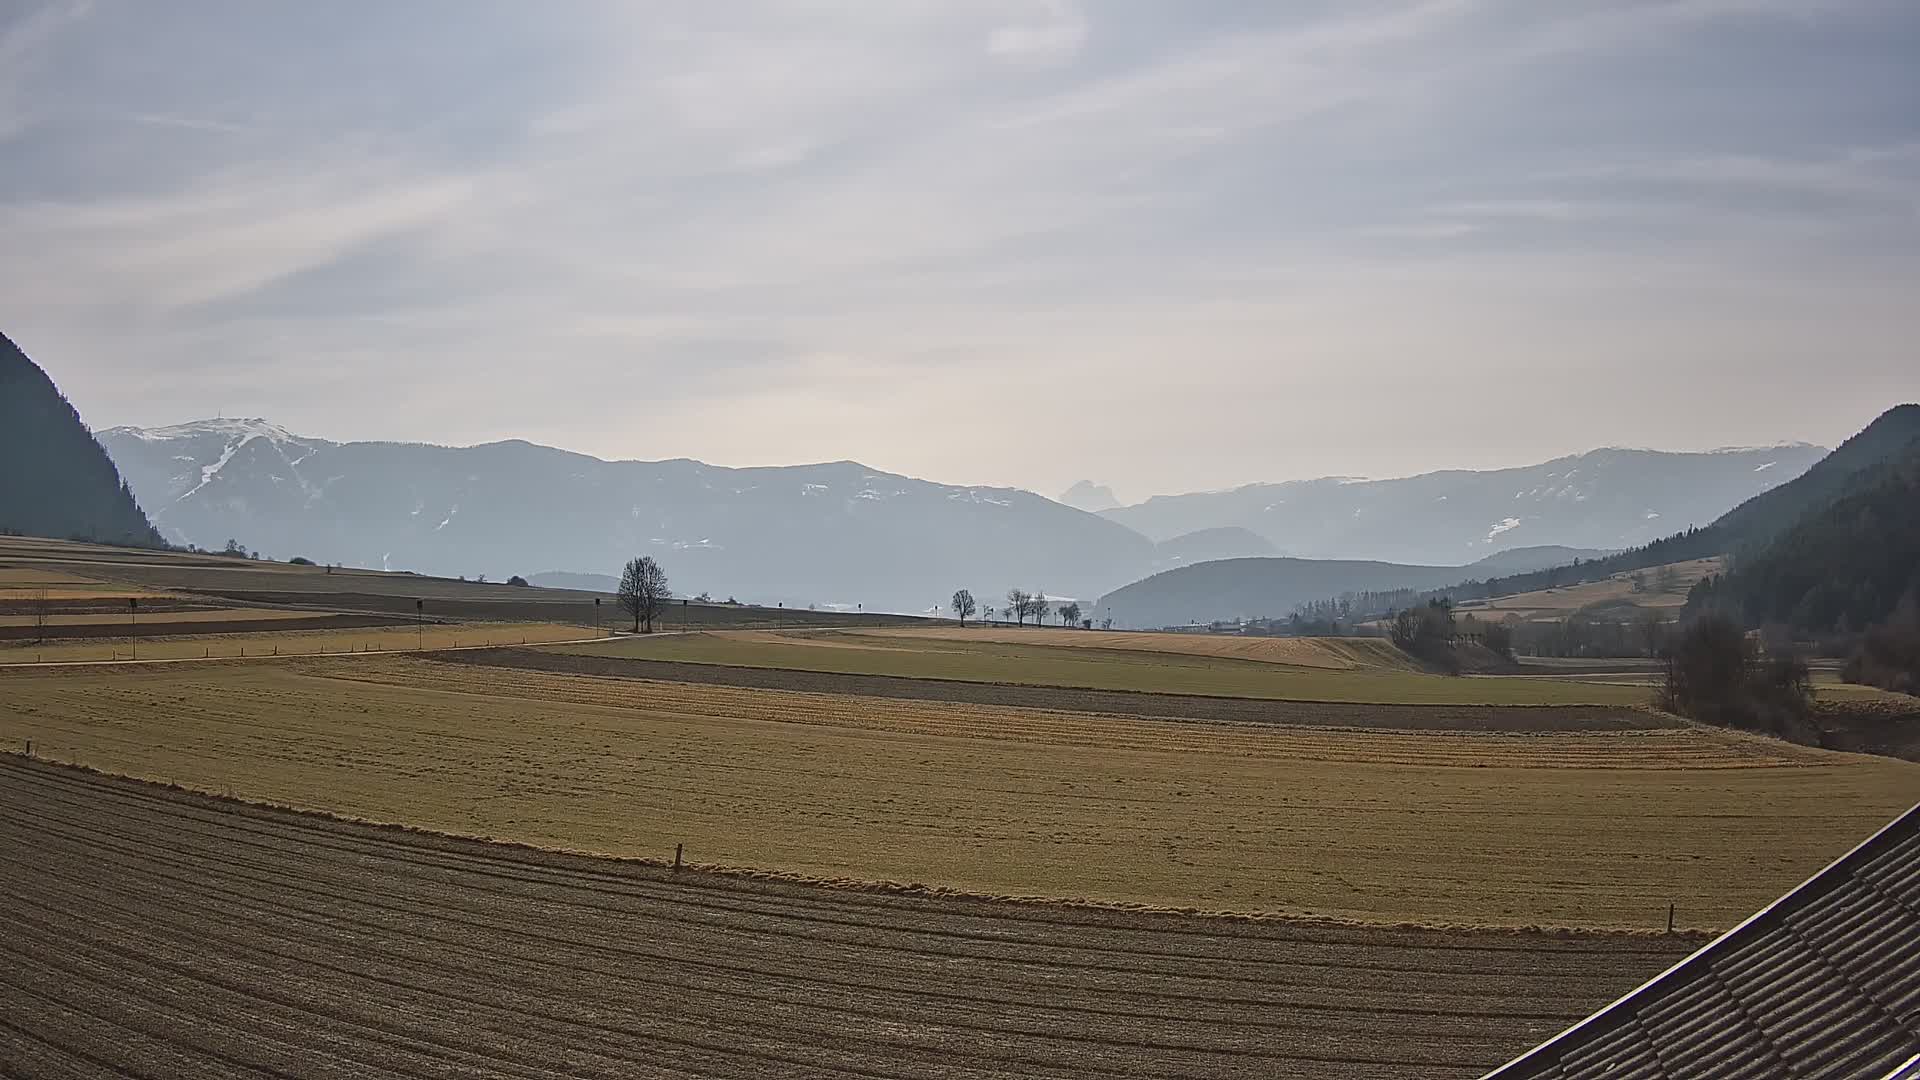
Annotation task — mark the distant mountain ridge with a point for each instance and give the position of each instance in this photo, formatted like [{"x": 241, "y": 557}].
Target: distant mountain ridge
[
  {"x": 1603, "y": 499},
  {"x": 830, "y": 533},
  {"x": 838, "y": 532},
  {"x": 58, "y": 481}
]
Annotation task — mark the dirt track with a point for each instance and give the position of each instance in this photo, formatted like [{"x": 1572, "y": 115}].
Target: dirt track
[
  {"x": 1527, "y": 718},
  {"x": 161, "y": 934}
]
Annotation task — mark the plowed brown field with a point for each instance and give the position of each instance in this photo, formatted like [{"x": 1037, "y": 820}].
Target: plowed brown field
[
  {"x": 1572, "y": 829},
  {"x": 159, "y": 934}
]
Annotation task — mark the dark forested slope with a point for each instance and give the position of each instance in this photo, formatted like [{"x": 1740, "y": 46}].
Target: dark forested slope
[{"x": 58, "y": 481}]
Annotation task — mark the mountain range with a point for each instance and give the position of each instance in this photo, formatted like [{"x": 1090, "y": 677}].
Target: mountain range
[
  {"x": 1610, "y": 498},
  {"x": 1830, "y": 548},
  {"x": 832, "y": 533},
  {"x": 846, "y": 533}
]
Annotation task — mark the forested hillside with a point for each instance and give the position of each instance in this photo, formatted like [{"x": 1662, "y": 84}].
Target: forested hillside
[
  {"x": 1748, "y": 529},
  {"x": 1841, "y": 568},
  {"x": 58, "y": 481}
]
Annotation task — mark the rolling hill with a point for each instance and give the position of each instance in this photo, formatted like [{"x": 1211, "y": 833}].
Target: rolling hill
[
  {"x": 58, "y": 481},
  {"x": 1839, "y": 567},
  {"x": 1228, "y": 589}
]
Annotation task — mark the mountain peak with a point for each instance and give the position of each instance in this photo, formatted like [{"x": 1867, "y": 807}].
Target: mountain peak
[
  {"x": 231, "y": 427},
  {"x": 1089, "y": 496}
]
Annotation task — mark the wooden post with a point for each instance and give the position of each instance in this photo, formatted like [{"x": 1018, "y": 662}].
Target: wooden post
[
  {"x": 29, "y": 747},
  {"x": 676, "y": 855},
  {"x": 1669, "y": 918}
]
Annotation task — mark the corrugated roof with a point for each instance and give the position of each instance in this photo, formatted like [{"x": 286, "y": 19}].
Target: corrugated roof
[{"x": 1822, "y": 984}]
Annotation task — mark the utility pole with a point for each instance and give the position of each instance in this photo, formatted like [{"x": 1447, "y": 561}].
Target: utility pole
[
  {"x": 133, "y": 623},
  {"x": 420, "y": 625},
  {"x": 596, "y": 616}
]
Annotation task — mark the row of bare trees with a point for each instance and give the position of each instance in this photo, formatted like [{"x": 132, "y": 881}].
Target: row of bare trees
[{"x": 1021, "y": 606}]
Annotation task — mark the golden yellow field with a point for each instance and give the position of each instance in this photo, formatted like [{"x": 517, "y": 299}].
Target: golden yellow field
[
  {"x": 28, "y": 583},
  {"x": 1156, "y": 663},
  {"x": 202, "y": 615},
  {"x": 270, "y": 642},
  {"x": 1336, "y": 654},
  {"x": 1581, "y": 829}
]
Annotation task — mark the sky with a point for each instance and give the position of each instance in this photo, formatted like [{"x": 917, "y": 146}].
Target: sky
[{"x": 1164, "y": 246}]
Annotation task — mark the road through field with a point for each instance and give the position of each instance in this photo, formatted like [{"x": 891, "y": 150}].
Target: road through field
[
  {"x": 159, "y": 934},
  {"x": 1578, "y": 828}
]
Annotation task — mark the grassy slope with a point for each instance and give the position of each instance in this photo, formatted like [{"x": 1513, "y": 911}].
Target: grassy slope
[{"x": 1105, "y": 669}]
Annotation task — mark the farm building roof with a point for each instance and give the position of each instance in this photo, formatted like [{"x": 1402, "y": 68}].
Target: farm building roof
[{"x": 1823, "y": 983}]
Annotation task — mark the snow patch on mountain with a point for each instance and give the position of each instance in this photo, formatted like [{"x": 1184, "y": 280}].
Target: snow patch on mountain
[
  {"x": 208, "y": 472},
  {"x": 1505, "y": 524}
]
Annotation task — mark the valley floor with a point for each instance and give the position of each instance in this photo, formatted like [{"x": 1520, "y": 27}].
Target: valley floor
[{"x": 1593, "y": 826}]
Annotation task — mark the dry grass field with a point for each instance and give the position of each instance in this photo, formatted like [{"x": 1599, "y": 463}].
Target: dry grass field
[
  {"x": 198, "y": 615},
  {"x": 243, "y": 641},
  {"x": 1596, "y": 829},
  {"x": 1616, "y": 591},
  {"x": 1187, "y": 669},
  {"x": 1332, "y": 654},
  {"x": 135, "y": 571},
  {"x": 159, "y": 934}
]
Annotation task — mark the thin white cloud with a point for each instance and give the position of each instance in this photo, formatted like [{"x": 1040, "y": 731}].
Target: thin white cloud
[{"x": 1214, "y": 253}]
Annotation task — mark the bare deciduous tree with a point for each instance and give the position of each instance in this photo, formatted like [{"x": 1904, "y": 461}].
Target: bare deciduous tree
[
  {"x": 1019, "y": 604},
  {"x": 643, "y": 591},
  {"x": 964, "y": 605},
  {"x": 1041, "y": 605},
  {"x": 1653, "y": 631},
  {"x": 1070, "y": 614},
  {"x": 40, "y": 615}
]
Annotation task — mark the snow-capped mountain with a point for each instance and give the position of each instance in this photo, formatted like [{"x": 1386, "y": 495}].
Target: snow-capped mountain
[
  {"x": 1611, "y": 498},
  {"x": 199, "y": 452},
  {"x": 838, "y": 532}
]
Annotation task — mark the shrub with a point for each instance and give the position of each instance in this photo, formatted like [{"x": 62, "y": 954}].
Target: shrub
[
  {"x": 1888, "y": 657},
  {"x": 300, "y": 560},
  {"x": 1715, "y": 673},
  {"x": 517, "y": 580}
]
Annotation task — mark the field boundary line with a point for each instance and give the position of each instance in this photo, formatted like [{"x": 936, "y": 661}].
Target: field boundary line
[
  {"x": 1147, "y": 694},
  {"x": 739, "y": 874}
]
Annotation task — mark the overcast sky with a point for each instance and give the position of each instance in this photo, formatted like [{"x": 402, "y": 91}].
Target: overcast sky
[{"x": 1160, "y": 245}]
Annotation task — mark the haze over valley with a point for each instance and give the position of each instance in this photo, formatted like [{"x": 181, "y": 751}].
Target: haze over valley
[{"x": 847, "y": 534}]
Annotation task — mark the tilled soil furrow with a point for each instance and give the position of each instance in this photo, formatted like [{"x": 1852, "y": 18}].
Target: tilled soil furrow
[
  {"x": 1269, "y": 972},
  {"x": 164, "y": 934},
  {"x": 1048, "y": 925},
  {"x": 1252, "y": 1037}
]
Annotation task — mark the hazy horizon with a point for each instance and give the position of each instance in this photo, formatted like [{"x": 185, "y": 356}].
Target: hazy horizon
[
  {"x": 1124, "y": 497},
  {"x": 1162, "y": 248}
]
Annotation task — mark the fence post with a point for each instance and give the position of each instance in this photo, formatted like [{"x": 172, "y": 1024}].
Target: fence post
[
  {"x": 676, "y": 855},
  {"x": 29, "y": 747},
  {"x": 1669, "y": 918}
]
